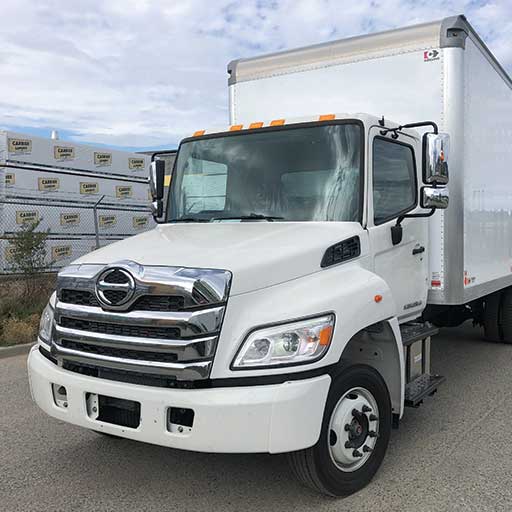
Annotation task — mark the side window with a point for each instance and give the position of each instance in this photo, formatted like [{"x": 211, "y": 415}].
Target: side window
[{"x": 394, "y": 179}]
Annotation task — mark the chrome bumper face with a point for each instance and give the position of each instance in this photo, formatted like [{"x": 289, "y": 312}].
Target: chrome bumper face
[{"x": 161, "y": 320}]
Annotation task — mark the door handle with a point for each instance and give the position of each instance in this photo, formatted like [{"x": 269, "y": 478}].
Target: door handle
[{"x": 418, "y": 250}]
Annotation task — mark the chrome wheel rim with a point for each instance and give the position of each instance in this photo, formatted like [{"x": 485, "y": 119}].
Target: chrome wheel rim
[{"x": 353, "y": 429}]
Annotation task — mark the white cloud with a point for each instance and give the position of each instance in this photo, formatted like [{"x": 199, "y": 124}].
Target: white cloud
[{"x": 146, "y": 73}]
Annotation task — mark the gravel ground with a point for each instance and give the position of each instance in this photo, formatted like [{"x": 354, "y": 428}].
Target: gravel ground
[{"x": 453, "y": 453}]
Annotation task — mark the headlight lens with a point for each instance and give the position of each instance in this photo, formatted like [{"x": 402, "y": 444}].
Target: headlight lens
[
  {"x": 45, "y": 325},
  {"x": 297, "y": 342}
]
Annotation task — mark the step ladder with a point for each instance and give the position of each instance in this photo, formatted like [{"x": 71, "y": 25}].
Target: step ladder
[{"x": 419, "y": 382}]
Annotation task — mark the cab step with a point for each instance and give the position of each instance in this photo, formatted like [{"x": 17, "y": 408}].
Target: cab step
[
  {"x": 415, "y": 331},
  {"x": 421, "y": 387},
  {"x": 419, "y": 382}
]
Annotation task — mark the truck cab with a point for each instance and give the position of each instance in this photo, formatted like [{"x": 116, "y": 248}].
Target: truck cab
[
  {"x": 267, "y": 311},
  {"x": 348, "y": 175}
]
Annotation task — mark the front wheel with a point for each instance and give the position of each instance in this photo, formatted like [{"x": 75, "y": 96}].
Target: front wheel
[{"x": 354, "y": 436}]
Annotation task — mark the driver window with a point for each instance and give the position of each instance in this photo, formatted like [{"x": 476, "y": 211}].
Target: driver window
[{"x": 394, "y": 180}]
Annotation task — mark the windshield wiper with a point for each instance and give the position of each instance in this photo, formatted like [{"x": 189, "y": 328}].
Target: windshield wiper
[
  {"x": 189, "y": 219},
  {"x": 251, "y": 216}
]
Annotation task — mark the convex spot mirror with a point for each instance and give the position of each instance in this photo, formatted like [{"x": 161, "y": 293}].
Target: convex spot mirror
[
  {"x": 156, "y": 179},
  {"x": 436, "y": 154},
  {"x": 156, "y": 186},
  {"x": 434, "y": 198}
]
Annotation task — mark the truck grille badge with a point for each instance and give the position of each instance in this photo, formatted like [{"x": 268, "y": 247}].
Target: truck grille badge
[{"x": 115, "y": 287}]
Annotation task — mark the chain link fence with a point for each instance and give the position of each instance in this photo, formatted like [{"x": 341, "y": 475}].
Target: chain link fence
[{"x": 74, "y": 225}]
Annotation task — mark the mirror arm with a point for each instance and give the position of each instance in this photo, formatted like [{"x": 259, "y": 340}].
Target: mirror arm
[
  {"x": 397, "y": 230},
  {"x": 413, "y": 215},
  {"x": 418, "y": 125},
  {"x": 410, "y": 125}
]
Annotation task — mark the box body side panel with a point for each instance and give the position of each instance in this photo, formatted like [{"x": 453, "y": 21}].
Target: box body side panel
[{"x": 487, "y": 177}]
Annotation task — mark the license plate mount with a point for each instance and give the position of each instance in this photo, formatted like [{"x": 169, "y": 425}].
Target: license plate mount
[{"x": 117, "y": 411}]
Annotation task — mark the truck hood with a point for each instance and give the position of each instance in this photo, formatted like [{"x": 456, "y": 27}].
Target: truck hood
[{"x": 258, "y": 254}]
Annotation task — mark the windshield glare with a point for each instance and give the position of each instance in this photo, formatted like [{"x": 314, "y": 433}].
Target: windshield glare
[{"x": 293, "y": 174}]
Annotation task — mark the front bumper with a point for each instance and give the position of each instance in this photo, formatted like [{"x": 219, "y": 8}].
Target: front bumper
[{"x": 272, "y": 418}]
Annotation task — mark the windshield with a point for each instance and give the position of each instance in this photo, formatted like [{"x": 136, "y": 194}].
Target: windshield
[{"x": 294, "y": 174}]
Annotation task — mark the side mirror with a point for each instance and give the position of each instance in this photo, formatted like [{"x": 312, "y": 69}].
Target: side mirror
[
  {"x": 434, "y": 198},
  {"x": 156, "y": 179},
  {"x": 436, "y": 149},
  {"x": 156, "y": 186}
]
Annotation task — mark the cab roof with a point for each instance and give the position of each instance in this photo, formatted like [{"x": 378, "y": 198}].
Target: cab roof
[{"x": 367, "y": 119}]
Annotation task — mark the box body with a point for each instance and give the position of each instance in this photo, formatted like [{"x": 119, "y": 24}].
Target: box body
[{"x": 441, "y": 72}]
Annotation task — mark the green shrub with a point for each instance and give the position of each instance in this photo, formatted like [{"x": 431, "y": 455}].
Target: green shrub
[
  {"x": 28, "y": 257},
  {"x": 16, "y": 331}
]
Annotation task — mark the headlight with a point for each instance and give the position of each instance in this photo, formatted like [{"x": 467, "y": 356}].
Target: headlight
[
  {"x": 45, "y": 325},
  {"x": 304, "y": 341}
]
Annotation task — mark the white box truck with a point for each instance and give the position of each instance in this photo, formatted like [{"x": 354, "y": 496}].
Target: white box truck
[{"x": 286, "y": 301}]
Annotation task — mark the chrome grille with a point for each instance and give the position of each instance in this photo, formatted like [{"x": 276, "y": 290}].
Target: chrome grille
[
  {"x": 169, "y": 328},
  {"x": 139, "y": 331},
  {"x": 80, "y": 297},
  {"x": 147, "y": 303}
]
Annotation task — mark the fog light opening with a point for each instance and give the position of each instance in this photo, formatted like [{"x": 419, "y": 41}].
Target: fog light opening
[
  {"x": 60, "y": 396},
  {"x": 180, "y": 420}
]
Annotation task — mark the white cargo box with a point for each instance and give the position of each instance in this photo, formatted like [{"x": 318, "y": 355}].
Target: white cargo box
[
  {"x": 50, "y": 184},
  {"x": 59, "y": 183},
  {"x": 18, "y": 148},
  {"x": 441, "y": 72}
]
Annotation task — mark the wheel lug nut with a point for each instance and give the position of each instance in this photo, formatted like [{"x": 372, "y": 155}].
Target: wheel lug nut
[
  {"x": 347, "y": 427},
  {"x": 372, "y": 433},
  {"x": 357, "y": 453},
  {"x": 373, "y": 417},
  {"x": 366, "y": 408},
  {"x": 367, "y": 449},
  {"x": 348, "y": 444}
]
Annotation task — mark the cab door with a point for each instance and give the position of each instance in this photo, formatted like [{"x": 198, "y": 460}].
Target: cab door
[{"x": 394, "y": 191}]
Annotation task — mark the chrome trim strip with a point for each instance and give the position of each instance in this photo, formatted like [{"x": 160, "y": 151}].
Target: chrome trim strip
[
  {"x": 190, "y": 323},
  {"x": 212, "y": 286},
  {"x": 43, "y": 343},
  {"x": 182, "y": 371},
  {"x": 183, "y": 348}
]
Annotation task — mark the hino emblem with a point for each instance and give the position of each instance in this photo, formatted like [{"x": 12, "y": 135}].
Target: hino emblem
[{"x": 115, "y": 287}]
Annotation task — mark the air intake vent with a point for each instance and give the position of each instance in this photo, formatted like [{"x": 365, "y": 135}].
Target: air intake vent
[{"x": 342, "y": 251}]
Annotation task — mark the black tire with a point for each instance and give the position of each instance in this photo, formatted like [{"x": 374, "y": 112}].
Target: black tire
[
  {"x": 492, "y": 320},
  {"x": 506, "y": 315},
  {"x": 315, "y": 468}
]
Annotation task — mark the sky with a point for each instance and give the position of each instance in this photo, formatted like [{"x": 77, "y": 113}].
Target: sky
[{"x": 143, "y": 74}]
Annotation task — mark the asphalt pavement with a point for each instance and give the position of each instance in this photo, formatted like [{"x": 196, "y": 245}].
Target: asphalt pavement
[{"x": 453, "y": 453}]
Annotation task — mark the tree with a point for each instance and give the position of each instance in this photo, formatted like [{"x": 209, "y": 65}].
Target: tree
[{"x": 27, "y": 255}]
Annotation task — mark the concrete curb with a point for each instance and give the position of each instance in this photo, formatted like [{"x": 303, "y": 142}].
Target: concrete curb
[{"x": 15, "y": 350}]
